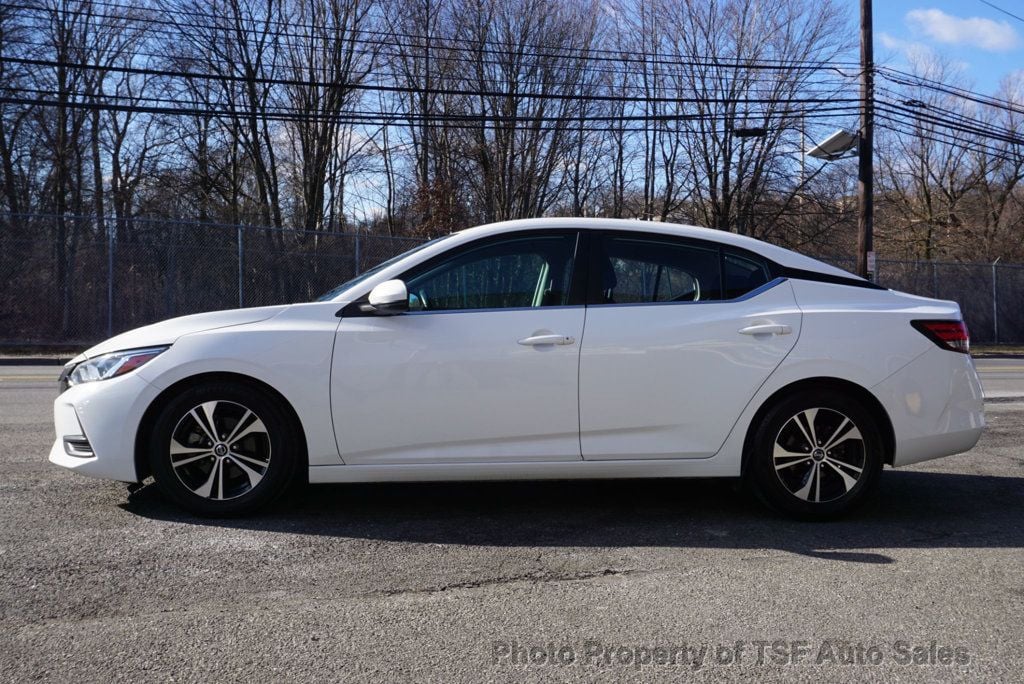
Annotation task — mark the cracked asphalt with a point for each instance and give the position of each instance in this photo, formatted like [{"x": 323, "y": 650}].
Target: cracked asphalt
[{"x": 556, "y": 581}]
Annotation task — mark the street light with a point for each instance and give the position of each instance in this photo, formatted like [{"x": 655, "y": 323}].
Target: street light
[
  {"x": 842, "y": 145},
  {"x": 836, "y": 146}
]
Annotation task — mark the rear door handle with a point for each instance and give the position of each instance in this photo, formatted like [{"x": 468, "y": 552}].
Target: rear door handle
[
  {"x": 766, "y": 329},
  {"x": 536, "y": 340}
]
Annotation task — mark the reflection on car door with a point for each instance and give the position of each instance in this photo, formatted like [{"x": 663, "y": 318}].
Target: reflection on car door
[
  {"x": 484, "y": 368},
  {"x": 672, "y": 352}
]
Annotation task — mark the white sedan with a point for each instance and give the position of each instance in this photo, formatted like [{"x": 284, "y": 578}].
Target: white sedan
[{"x": 538, "y": 349}]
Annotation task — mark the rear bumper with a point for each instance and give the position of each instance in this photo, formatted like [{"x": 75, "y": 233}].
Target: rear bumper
[
  {"x": 935, "y": 404},
  {"x": 107, "y": 414}
]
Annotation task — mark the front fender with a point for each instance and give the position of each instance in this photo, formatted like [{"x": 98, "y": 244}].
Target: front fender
[{"x": 295, "y": 361}]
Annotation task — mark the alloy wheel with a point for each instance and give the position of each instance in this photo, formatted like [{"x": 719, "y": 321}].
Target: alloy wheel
[
  {"x": 819, "y": 455},
  {"x": 220, "y": 450}
]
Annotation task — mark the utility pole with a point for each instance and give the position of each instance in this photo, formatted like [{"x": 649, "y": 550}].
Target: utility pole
[{"x": 865, "y": 148}]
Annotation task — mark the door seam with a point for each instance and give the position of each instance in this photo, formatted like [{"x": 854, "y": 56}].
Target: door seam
[{"x": 579, "y": 380}]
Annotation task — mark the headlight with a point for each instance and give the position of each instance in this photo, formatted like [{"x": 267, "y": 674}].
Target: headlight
[{"x": 111, "y": 365}]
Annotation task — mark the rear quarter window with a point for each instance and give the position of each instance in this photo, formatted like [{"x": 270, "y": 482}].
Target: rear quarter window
[{"x": 742, "y": 274}]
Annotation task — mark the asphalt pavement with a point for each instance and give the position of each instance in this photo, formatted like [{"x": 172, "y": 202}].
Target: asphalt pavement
[
  {"x": 1002, "y": 378},
  {"x": 555, "y": 581}
]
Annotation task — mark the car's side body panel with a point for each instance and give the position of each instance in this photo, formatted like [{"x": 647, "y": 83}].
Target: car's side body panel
[
  {"x": 540, "y": 470},
  {"x": 669, "y": 380},
  {"x": 290, "y": 352},
  {"x": 857, "y": 335},
  {"x": 457, "y": 387},
  {"x": 864, "y": 337},
  {"x": 936, "y": 406}
]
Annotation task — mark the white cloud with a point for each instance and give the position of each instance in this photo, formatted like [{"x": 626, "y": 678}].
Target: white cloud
[
  {"x": 994, "y": 36},
  {"x": 890, "y": 42},
  {"x": 910, "y": 50}
]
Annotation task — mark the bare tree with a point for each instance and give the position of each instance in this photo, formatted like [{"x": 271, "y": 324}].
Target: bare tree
[
  {"x": 927, "y": 172},
  {"x": 731, "y": 177},
  {"x": 526, "y": 99},
  {"x": 997, "y": 205},
  {"x": 14, "y": 118},
  {"x": 63, "y": 34},
  {"x": 325, "y": 57},
  {"x": 424, "y": 116},
  {"x": 237, "y": 45}
]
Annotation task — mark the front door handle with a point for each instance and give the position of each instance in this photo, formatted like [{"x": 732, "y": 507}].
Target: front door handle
[
  {"x": 766, "y": 329},
  {"x": 536, "y": 340}
]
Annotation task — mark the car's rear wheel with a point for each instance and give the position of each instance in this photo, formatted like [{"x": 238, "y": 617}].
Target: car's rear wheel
[
  {"x": 222, "y": 449},
  {"x": 816, "y": 455}
]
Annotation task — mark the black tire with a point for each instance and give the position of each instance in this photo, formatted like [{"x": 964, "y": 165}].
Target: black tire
[
  {"x": 251, "y": 471},
  {"x": 811, "y": 482}
]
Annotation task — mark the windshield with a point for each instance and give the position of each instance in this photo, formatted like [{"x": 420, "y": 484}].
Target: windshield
[{"x": 377, "y": 269}]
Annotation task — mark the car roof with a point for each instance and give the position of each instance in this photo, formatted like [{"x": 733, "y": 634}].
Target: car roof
[{"x": 780, "y": 255}]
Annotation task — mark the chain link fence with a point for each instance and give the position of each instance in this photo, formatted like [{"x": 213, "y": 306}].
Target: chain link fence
[
  {"x": 107, "y": 276},
  {"x": 991, "y": 296},
  {"x": 74, "y": 292}
]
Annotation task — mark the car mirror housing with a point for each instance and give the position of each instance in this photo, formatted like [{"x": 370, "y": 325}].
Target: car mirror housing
[{"x": 388, "y": 299}]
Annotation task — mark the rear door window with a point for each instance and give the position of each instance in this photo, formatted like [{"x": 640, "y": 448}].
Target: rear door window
[{"x": 647, "y": 269}]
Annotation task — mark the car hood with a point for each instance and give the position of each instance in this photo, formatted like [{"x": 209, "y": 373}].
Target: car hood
[{"x": 166, "y": 332}]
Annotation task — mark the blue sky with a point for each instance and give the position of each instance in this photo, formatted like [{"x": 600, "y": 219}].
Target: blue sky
[{"x": 983, "y": 41}]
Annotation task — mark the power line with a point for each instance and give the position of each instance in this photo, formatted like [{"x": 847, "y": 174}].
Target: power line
[
  {"x": 901, "y": 77},
  {"x": 96, "y": 99},
  {"x": 905, "y": 128},
  {"x": 914, "y": 120},
  {"x": 472, "y": 121},
  {"x": 1000, "y": 9},
  {"x": 579, "y": 83},
  {"x": 586, "y": 56},
  {"x": 178, "y": 73},
  {"x": 952, "y": 120},
  {"x": 372, "y": 43},
  {"x": 388, "y": 118},
  {"x": 387, "y": 38}
]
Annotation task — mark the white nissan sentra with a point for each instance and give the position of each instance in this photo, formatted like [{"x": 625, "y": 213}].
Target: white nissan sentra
[{"x": 538, "y": 349}]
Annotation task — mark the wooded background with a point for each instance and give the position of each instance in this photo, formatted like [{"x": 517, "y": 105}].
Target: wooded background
[{"x": 300, "y": 119}]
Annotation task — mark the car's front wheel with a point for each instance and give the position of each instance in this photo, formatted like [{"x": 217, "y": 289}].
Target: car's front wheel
[
  {"x": 223, "y": 448},
  {"x": 816, "y": 455}
]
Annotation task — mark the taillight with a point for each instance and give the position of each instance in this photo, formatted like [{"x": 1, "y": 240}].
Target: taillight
[{"x": 951, "y": 335}]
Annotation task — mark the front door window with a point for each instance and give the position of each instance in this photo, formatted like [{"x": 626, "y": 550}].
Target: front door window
[{"x": 524, "y": 272}]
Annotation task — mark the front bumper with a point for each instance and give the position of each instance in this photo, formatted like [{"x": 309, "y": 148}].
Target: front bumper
[
  {"x": 107, "y": 414},
  {"x": 936, "y": 406}
]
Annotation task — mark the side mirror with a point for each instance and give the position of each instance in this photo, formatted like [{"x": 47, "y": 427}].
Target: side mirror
[{"x": 388, "y": 299}]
